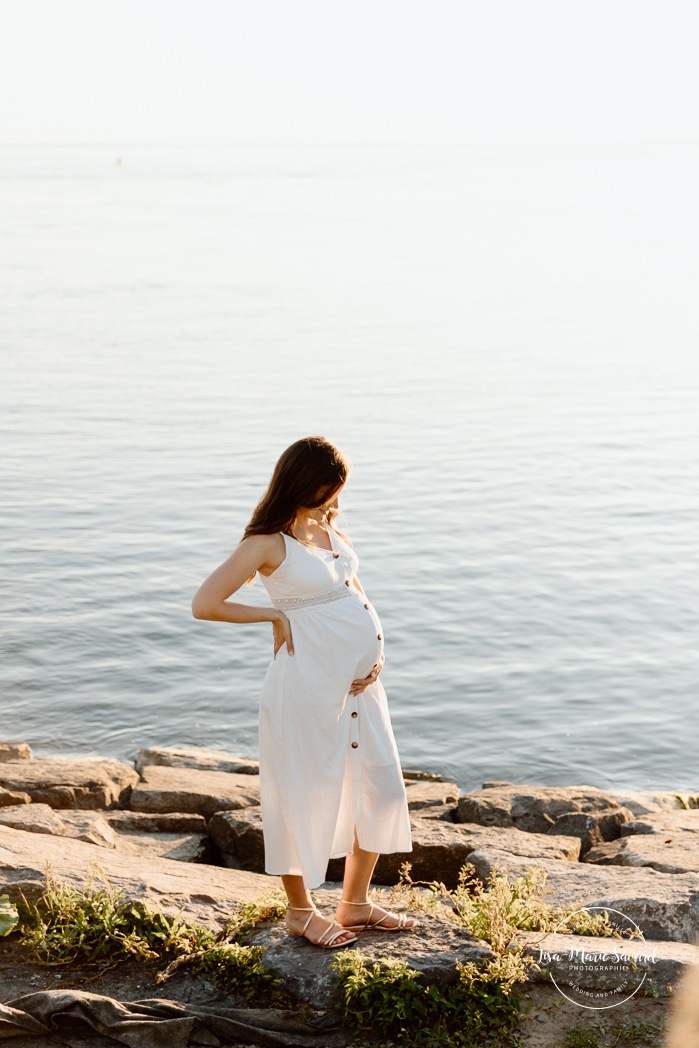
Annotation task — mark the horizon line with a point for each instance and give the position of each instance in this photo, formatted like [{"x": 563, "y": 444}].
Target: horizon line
[{"x": 353, "y": 143}]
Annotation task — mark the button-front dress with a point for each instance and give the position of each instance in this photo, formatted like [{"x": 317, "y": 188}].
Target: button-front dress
[{"x": 328, "y": 759}]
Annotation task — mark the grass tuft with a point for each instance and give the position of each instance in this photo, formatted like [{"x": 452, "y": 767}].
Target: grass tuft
[
  {"x": 602, "y": 1034},
  {"x": 390, "y": 997},
  {"x": 97, "y": 925},
  {"x": 484, "y": 1006}
]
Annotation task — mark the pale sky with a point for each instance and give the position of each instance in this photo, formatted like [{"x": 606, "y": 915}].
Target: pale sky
[{"x": 296, "y": 71}]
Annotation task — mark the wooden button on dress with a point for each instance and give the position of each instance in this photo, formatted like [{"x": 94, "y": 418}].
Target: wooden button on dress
[
  {"x": 354, "y": 745},
  {"x": 355, "y": 714}
]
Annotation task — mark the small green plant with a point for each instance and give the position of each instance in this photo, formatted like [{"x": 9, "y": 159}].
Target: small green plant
[
  {"x": 410, "y": 893},
  {"x": 378, "y": 994},
  {"x": 601, "y": 1034},
  {"x": 484, "y": 1002},
  {"x": 637, "y": 1032},
  {"x": 687, "y": 800},
  {"x": 652, "y": 988},
  {"x": 270, "y": 908},
  {"x": 496, "y": 910},
  {"x": 235, "y": 966},
  {"x": 96, "y": 924},
  {"x": 232, "y": 963},
  {"x": 9, "y": 916},
  {"x": 392, "y": 998},
  {"x": 584, "y": 1035}
]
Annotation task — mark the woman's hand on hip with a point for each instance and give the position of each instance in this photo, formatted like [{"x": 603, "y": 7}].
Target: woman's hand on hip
[
  {"x": 358, "y": 686},
  {"x": 282, "y": 633}
]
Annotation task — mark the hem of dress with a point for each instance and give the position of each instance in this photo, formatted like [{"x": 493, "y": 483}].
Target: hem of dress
[
  {"x": 308, "y": 887},
  {"x": 342, "y": 854},
  {"x": 395, "y": 851},
  {"x": 338, "y": 855}
]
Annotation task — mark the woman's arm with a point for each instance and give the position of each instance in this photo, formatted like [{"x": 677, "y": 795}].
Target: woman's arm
[{"x": 210, "y": 601}]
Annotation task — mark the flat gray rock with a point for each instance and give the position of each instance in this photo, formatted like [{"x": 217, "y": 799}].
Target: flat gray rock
[
  {"x": 194, "y": 757},
  {"x": 165, "y": 789},
  {"x": 147, "y": 822},
  {"x": 34, "y": 818},
  {"x": 41, "y": 818},
  {"x": 15, "y": 751},
  {"x": 571, "y": 960},
  {"x": 678, "y": 853},
  {"x": 207, "y": 892},
  {"x": 238, "y": 840},
  {"x": 646, "y": 802},
  {"x": 665, "y": 906},
  {"x": 63, "y": 783},
  {"x": 534, "y": 809},
  {"x": 116, "y": 830},
  {"x": 592, "y": 827},
  {"x": 422, "y": 794},
  {"x": 639, "y": 802},
  {"x": 667, "y": 822},
  {"x": 11, "y": 798},
  {"x": 440, "y": 848},
  {"x": 306, "y": 970}
]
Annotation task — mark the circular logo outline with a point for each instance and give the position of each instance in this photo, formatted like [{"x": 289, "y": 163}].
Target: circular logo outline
[{"x": 600, "y": 1007}]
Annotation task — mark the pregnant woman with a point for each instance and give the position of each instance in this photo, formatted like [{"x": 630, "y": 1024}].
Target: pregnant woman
[{"x": 330, "y": 776}]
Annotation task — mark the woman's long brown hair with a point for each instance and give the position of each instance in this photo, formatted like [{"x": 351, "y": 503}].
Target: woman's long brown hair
[{"x": 306, "y": 475}]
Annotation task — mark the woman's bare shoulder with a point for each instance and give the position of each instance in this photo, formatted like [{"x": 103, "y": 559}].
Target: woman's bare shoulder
[
  {"x": 268, "y": 550},
  {"x": 261, "y": 541}
]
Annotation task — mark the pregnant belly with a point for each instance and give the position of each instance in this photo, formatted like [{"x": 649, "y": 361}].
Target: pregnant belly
[
  {"x": 343, "y": 638},
  {"x": 366, "y": 639}
]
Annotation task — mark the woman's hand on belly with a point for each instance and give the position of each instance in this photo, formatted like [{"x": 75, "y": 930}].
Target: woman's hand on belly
[{"x": 358, "y": 686}]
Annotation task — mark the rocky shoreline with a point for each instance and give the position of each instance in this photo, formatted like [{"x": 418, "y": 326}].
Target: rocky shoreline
[{"x": 182, "y": 828}]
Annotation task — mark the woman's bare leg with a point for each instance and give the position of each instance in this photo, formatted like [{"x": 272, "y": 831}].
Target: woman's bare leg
[
  {"x": 358, "y": 872},
  {"x": 296, "y": 891},
  {"x": 299, "y": 896}
]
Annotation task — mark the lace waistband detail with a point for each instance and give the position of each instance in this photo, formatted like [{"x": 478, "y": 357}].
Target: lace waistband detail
[{"x": 292, "y": 603}]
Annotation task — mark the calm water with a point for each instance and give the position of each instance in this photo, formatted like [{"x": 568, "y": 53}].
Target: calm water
[{"x": 504, "y": 341}]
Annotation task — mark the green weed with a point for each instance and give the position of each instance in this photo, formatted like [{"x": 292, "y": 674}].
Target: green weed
[
  {"x": 483, "y": 1006},
  {"x": 602, "y": 1034},
  {"x": 235, "y": 966},
  {"x": 9, "y": 916},
  {"x": 390, "y": 997},
  {"x": 96, "y": 925},
  {"x": 497, "y": 910}
]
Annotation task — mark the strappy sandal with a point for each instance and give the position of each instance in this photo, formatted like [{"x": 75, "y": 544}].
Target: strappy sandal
[
  {"x": 326, "y": 940},
  {"x": 379, "y": 925}
]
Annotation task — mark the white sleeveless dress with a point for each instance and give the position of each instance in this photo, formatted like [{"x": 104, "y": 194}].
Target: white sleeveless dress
[{"x": 328, "y": 759}]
